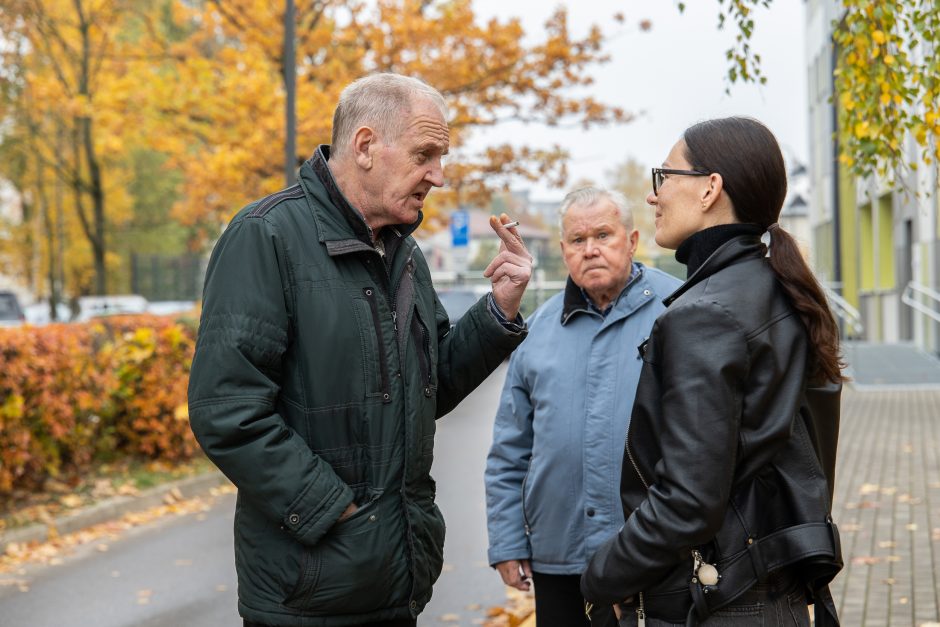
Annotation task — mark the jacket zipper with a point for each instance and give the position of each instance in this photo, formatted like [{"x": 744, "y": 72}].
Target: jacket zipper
[
  {"x": 525, "y": 519},
  {"x": 641, "y": 609},
  {"x": 424, "y": 359},
  {"x": 626, "y": 446},
  {"x": 376, "y": 321}
]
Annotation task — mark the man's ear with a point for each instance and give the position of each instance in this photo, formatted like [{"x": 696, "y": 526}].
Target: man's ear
[
  {"x": 634, "y": 239},
  {"x": 362, "y": 143}
]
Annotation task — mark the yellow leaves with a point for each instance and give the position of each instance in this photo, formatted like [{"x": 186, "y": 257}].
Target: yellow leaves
[
  {"x": 878, "y": 37},
  {"x": 862, "y": 129},
  {"x": 889, "y": 59},
  {"x": 181, "y": 413},
  {"x": 848, "y": 102},
  {"x": 12, "y": 407}
]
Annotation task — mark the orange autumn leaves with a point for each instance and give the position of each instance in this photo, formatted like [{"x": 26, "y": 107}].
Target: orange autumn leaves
[
  {"x": 202, "y": 83},
  {"x": 74, "y": 395}
]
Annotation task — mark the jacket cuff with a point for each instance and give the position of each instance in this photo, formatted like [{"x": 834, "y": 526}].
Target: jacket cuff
[
  {"x": 497, "y": 555},
  {"x": 517, "y": 325},
  {"x": 308, "y": 520}
]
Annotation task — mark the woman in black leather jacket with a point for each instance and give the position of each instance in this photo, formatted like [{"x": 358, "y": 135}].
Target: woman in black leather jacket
[{"x": 727, "y": 473}]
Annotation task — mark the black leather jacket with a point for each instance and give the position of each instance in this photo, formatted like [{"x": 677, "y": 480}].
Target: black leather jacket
[{"x": 722, "y": 454}]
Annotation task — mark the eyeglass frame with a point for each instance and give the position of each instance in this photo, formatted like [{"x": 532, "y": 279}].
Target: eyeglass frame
[{"x": 661, "y": 171}]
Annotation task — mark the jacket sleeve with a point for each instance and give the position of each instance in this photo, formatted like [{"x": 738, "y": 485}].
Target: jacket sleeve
[
  {"x": 702, "y": 355},
  {"x": 235, "y": 380},
  {"x": 469, "y": 351},
  {"x": 506, "y": 468}
]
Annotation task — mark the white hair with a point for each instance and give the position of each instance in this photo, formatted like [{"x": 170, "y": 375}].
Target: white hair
[
  {"x": 381, "y": 101},
  {"x": 589, "y": 196}
]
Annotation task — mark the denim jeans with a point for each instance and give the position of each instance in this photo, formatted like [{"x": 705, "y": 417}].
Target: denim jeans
[{"x": 778, "y": 603}]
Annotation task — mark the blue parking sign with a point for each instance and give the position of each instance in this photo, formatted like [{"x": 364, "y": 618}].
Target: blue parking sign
[{"x": 459, "y": 228}]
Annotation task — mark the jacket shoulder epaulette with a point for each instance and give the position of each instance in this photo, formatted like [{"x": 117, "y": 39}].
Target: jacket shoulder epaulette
[{"x": 266, "y": 204}]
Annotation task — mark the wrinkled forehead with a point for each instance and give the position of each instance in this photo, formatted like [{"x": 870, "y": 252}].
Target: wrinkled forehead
[{"x": 426, "y": 124}]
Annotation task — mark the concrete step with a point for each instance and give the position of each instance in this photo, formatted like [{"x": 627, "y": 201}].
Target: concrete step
[{"x": 876, "y": 366}]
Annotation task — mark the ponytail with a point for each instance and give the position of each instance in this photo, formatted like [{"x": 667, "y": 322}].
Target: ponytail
[{"x": 808, "y": 299}]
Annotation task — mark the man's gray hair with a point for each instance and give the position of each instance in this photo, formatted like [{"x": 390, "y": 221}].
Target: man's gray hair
[
  {"x": 588, "y": 196},
  {"x": 381, "y": 101}
]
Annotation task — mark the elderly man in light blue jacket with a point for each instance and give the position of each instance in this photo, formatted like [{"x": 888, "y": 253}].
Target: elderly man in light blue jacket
[{"x": 553, "y": 472}]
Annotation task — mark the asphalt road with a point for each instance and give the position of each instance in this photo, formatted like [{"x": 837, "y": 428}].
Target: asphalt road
[{"x": 179, "y": 571}]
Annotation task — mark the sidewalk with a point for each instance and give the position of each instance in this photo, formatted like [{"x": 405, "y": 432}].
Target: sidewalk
[
  {"x": 113, "y": 509},
  {"x": 887, "y": 507}
]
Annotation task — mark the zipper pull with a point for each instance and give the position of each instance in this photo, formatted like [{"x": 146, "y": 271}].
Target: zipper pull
[
  {"x": 641, "y": 613},
  {"x": 528, "y": 531},
  {"x": 702, "y": 571},
  {"x": 395, "y": 320}
]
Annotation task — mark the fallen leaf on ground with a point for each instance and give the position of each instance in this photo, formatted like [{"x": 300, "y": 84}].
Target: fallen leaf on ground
[
  {"x": 866, "y": 559},
  {"x": 72, "y": 500}
]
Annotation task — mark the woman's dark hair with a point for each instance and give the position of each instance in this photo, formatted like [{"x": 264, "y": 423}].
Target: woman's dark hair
[{"x": 747, "y": 156}]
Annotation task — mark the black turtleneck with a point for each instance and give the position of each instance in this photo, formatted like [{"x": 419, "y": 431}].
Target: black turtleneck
[{"x": 699, "y": 246}]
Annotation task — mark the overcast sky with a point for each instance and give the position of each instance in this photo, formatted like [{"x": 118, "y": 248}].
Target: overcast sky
[{"x": 674, "y": 74}]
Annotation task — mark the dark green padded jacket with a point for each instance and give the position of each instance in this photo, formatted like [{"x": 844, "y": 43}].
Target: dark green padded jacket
[{"x": 320, "y": 369}]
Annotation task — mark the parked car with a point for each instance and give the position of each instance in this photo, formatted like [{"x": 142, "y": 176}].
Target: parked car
[
  {"x": 97, "y": 306},
  {"x": 11, "y": 314},
  {"x": 38, "y": 314},
  {"x": 457, "y": 300}
]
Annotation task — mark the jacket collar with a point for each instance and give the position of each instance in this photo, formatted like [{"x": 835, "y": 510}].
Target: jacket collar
[
  {"x": 343, "y": 229},
  {"x": 626, "y": 303},
  {"x": 733, "y": 251}
]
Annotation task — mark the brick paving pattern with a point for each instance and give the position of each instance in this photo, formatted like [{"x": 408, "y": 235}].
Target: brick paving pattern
[{"x": 887, "y": 507}]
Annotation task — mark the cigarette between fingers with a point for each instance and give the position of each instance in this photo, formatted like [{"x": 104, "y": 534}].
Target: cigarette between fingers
[{"x": 511, "y": 224}]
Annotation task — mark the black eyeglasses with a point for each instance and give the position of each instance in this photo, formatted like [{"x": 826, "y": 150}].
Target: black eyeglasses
[{"x": 659, "y": 176}]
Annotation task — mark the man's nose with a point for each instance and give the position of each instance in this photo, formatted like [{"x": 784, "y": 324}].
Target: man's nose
[
  {"x": 651, "y": 199},
  {"x": 435, "y": 174},
  {"x": 591, "y": 249}
]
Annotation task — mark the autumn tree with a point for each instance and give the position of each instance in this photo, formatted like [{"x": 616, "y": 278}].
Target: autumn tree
[
  {"x": 632, "y": 179},
  {"x": 887, "y": 78},
  {"x": 229, "y": 121},
  {"x": 72, "y": 98}
]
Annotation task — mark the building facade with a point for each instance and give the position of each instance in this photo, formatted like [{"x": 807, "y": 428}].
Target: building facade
[{"x": 876, "y": 242}]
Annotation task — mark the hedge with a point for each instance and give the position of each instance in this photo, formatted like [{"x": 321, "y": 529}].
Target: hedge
[{"x": 75, "y": 395}]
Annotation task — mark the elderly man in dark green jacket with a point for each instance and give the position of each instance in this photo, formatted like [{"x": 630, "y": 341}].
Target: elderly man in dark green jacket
[{"x": 324, "y": 358}]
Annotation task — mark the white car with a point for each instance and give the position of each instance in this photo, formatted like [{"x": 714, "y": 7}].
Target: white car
[{"x": 96, "y": 306}]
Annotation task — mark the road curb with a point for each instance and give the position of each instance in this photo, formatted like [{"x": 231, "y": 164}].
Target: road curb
[{"x": 113, "y": 508}]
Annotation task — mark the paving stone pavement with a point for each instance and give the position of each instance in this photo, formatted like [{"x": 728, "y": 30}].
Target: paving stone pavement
[{"x": 887, "y": 507}]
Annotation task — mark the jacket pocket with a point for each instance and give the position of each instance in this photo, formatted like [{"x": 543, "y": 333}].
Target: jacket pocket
[
  {"x": 421, "y": 337},
  {"x": 525, "y": 515},
  {"x": 352, "y": 569},
  {"x": 374, "y": 352}
]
